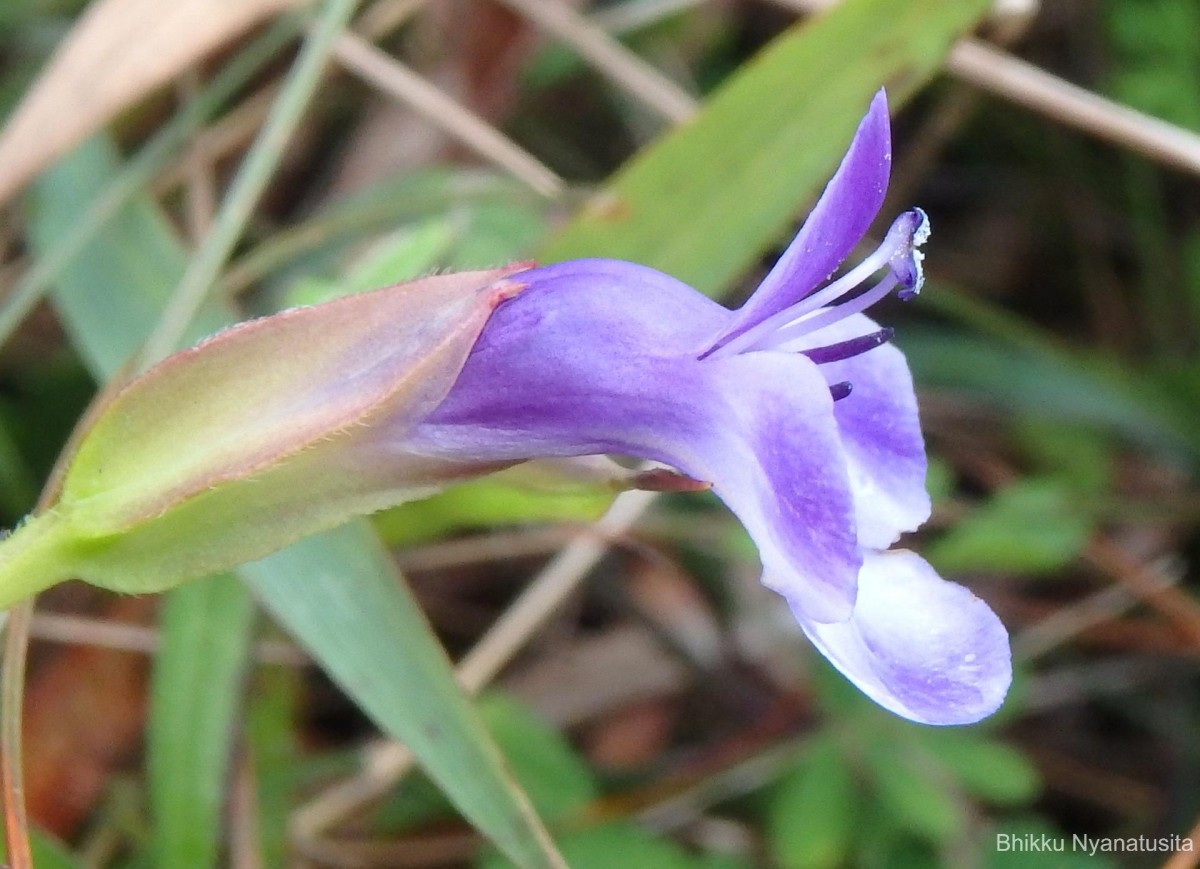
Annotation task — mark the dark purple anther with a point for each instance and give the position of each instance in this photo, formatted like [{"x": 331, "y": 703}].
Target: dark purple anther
[{"x": 847, "y": 349}]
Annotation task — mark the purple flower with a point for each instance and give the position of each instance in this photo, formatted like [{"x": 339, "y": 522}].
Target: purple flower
[{"x": 794, "y": 407}]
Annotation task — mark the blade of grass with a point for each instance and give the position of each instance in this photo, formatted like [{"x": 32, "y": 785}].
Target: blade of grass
[
  {"x": 133, "y": 177},
  {"x": 277, "y": 759},
  {"x": 111, "y": 57},
  {"x": 195, "y": 698},
  {"x": 252, "y": 176},
  {"x": 367, "y": 664},
  {"x": 706, "y": 199},
  {"x": 108, "y": 301},
  {"x": 413, "y": 195},
  {"x": 47, "y": 853},
  {"x": 1008, "y": 359}
]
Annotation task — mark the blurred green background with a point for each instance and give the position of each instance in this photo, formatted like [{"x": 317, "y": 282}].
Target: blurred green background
[{"x": 665, "y": 713}]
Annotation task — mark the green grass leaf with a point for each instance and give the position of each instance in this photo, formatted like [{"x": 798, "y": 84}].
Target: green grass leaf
[
  {"x": 48, "y": 853},
  {"x": 617, "y": 843},
  {"x": 195, "y": 700},
  {"x": 916, "y": 793},
  {"x": 557, "y": 780},
  {"x": 705, "y": 200},
  {"x": 393, "y": 666},
  {"x": 984, "y": 767},
  {"x": 279, "y": 763},
  {"x": 812, "y": 814},
  {"x": 1045, "y": 382},
  {"x": 1031, "y": 526}
]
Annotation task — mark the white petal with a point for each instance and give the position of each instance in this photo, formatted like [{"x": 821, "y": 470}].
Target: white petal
[{"x": 927, "y": 649}]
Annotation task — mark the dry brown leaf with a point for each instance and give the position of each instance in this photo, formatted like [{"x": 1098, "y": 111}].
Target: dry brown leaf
[
  {"x": 632, "y": 737},
  {"x": 118, "y": 51},
  {"x": 84, "y": 712}
]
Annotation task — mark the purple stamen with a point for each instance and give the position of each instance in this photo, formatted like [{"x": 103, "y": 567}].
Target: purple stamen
[{"x": 853, "y": 347}]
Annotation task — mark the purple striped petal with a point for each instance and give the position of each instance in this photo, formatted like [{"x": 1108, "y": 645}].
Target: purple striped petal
[
  {"x": 881, "y": 433},
  {"x": 766, "y": 440}
]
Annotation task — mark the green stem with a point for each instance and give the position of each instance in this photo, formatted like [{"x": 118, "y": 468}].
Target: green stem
[
  {"x": 248, "y": 185},
  {"x": 31, "y": 561},
  {"x": 12, "y": 695},
  {"x": 32, "y": 558}
]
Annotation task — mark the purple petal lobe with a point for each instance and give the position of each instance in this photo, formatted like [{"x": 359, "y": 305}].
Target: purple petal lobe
[
  {"x": 881, "y": 434},
  {"x": 924, "y": 648},
  {"x": 840, "y": 218}
]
